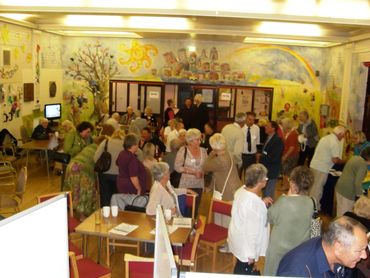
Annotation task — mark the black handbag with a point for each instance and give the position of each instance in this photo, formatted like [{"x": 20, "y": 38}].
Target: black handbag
[
  {"x": 136, "y": 207},
  {"x": 64, "y": 158},
  {"x": 175, "y": 176},
  {"x": 103, "y": 163}
]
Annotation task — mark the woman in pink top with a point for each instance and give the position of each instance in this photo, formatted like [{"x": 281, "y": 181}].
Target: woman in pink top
[{"x": 291, "y": 150}]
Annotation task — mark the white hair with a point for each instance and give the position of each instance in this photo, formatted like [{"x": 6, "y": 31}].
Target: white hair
[
  {"x": 192, "y": 134},
  {"x": 217, "y": 142},
  {"x": 158, "y": 170},
  {"x": 339, "y": 130}
]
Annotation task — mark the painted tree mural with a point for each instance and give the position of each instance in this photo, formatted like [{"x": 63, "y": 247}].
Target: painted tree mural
[{"x": 94, "y": 64}]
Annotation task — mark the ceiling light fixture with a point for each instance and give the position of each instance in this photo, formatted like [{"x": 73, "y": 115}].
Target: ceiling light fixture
[
  {"x": 156, "y": 22},
  {"x": 101, "y": 34},
  {"x": 290, "y": 42},
  {"x": 291, "y": 29},
  {"x": 16, "y": 16},
  {"x": 94, "y": 21}
]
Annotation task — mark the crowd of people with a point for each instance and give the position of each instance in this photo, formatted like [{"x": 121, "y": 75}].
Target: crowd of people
[{"x": 241, "y": 164}]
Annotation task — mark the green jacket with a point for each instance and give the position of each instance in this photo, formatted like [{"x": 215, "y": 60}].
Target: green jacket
[{"x": 73, "y": 143}]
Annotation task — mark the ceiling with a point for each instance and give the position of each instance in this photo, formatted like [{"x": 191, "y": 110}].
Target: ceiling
[{"x": 320, "y": 22}]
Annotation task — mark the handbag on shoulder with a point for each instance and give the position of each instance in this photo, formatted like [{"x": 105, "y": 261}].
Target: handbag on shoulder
[
  {"x": 103, "y": 163},
  {"x": 316, "y": 221},
  {"x": 217, "y": 194},
  {"x": 175, "y": 176}
]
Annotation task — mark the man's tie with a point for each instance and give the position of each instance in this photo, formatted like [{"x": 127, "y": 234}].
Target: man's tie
[{"x": 249, "y": 140}]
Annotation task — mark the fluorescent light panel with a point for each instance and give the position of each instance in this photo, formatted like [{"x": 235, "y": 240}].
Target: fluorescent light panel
[
  {"x": 289, "y": 42},
  {"x": 102, "y": 34},
  {"x": 94, "y": 21},
  {"x": 156, "y": 22},
  {"x": 290, "y": 29},
  {"x": 16, "y": 16}
]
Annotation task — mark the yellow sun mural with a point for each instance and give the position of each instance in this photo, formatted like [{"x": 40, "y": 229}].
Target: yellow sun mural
[{"x": 139, "y": 55}]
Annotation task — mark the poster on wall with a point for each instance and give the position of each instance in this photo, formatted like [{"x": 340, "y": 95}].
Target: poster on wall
[
  {"x": 261, "y": 105},
  {"x": 207, "y": 95},
  {"x": 243, "y": 100}
]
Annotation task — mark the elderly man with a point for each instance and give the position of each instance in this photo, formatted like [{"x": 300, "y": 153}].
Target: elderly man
[
  {"x": 234, "y": 137},
  {"x": 114, "y": 121},
  {"x": 147, "y": 136},
  {"x": 42, "y": 131},
  {"x": 270, "y": 157},
  {"x": 128, "y": 117},
  {"x": 327, "y": 153},
  {"x": 307, "y": 127},
  {"x": 340, "y": 248}
]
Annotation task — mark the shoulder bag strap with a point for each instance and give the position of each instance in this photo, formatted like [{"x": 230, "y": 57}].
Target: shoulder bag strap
[
  {"x": 185, "y": 153},
  {"x": 106, "y": 146},
  {"x": 314, "y": 205},
  {"x": 228, "y": 175}
]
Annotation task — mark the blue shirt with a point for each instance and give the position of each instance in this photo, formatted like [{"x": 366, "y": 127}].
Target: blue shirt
[{"x": 309, "y": 260}]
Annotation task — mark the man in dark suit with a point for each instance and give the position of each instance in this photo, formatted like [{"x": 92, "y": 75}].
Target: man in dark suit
[
  {"x": 271, "y": 157},
  {"x": 187, "y": 114},
  {"x": 148, "y": 136}
]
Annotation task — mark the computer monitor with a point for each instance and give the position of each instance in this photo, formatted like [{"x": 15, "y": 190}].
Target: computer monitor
[
  {"x": 53, "y": 111},
  {"x": 34, "y": 242},
  {"x": 164, "y": 261}
]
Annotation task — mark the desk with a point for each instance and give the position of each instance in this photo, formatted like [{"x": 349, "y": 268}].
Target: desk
[
  {"x": 41, "y": 145},
  {"x": 144, "y": 222}
]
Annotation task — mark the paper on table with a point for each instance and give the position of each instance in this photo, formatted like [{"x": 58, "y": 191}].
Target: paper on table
[
  {"x": 123, "y": 229},
  {"x": 170, "y": 229},
  {"x": 182, "y": 222}
]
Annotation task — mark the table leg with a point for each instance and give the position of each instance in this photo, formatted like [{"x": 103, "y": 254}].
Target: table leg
[
  {"x": 28, "y": 152},
  {"x": 84, "y": 245},
  {"x": 47, "y": 163},
  {"x": 99, "y": 249}
]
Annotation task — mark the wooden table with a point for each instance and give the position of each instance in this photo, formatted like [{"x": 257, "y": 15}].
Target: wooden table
[
  {"x": 144, "y": 222},
  {"x": 41, "y": 145}
]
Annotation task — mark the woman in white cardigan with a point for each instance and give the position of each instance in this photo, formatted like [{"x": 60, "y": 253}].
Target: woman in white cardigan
[
  {"x": 248, "y": 230},
  {"x": 162, "y": 193}
]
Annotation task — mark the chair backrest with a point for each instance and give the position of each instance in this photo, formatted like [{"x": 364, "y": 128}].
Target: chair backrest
[
  {"x": 21, "y": 182},
  {"x": 45, "y": 197},
  {"x": 136, "y": 267},
  {"x": 190, "y": 203},
  {"x": 218, "y": 206},
  {"x": 201, "y": 223},
  {"x": 24, "y": 135},
  {"x": 73, "y": 265}
]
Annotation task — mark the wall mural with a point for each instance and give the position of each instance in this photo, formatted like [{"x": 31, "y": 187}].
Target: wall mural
[
  {"x": 295, "y": 73},
  {"x": 95, "y": 66}
]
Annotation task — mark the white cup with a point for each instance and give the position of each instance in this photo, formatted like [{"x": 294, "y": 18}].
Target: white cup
[
  {"x": 56, "y": 134},
  {"x": 106, "y": 211},
  {"x": 168, "y": 215},
  {"x": 114, "y": 210}
]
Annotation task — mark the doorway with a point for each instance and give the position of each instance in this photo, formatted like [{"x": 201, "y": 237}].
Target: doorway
[{"x": 366, "y": 119}]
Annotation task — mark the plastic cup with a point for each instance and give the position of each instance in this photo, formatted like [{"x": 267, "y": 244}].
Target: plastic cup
[
  {"x": 106, "y": 211},
  {"x": 114, "y": 210}
]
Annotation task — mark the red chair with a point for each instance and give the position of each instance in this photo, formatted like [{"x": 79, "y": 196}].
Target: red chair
[
  {"x": 72, "y": 222},
  {"x": 86, "y": 268},
  {"x": 188, "y": 253},
  {"x": 138, "y": 267},
  {"x": 190, "y": 203},
  {"x": 215, "y": 236},
  {"x": 73, "y": 248}
]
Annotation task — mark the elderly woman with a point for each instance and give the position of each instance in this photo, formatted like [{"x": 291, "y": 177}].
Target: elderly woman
[
  {"x": 162, "y": 193},
  {"x": 80, "y": 178},
  {"x": 291, "y": 149},
  {"x": 67, "y": 126},
  {"x": 189, "y": 161},
  {"x": 150, "y": 118},
  {"x": 225, "y": 174},
  {"x": 42, "y": 131},
  {"x": 131, "y": 171},
  {"x": 170, "y": 157},
  {"x": 248, "y": 230},
  {"x": 76, "y": 140},
  {"x": 349, "y": 184},
  {"x": 108, "y": 179},
  {"x": 360, "y": 142},
  {"x": 291, "y": 219},
  {"x": 148, "y": 155},
  {"x": 178, "y": 125}
]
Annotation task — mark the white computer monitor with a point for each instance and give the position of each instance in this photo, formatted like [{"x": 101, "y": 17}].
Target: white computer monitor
[
  {"x": 34, "y": 242},
  {"x": 164, "y": 261}
]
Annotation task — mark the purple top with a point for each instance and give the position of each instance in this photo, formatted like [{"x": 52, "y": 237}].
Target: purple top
[{"x": 129, "y": 166}]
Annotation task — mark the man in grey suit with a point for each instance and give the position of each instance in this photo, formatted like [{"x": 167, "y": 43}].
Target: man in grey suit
[{"x": 234, "y": 137}]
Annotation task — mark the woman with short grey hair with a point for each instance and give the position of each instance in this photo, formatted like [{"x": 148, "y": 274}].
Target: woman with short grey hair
[
  {"x": 225, "y": 178},
  {"x": 162, "y": 193},
  {"x": 248, "y": 232},
  {"x": 189, "y": 161}
]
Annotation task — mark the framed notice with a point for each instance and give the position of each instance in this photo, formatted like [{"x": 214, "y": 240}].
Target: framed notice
[
  {"x": 262, "y": 104},
  {"x": 207, "y": 95}
]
